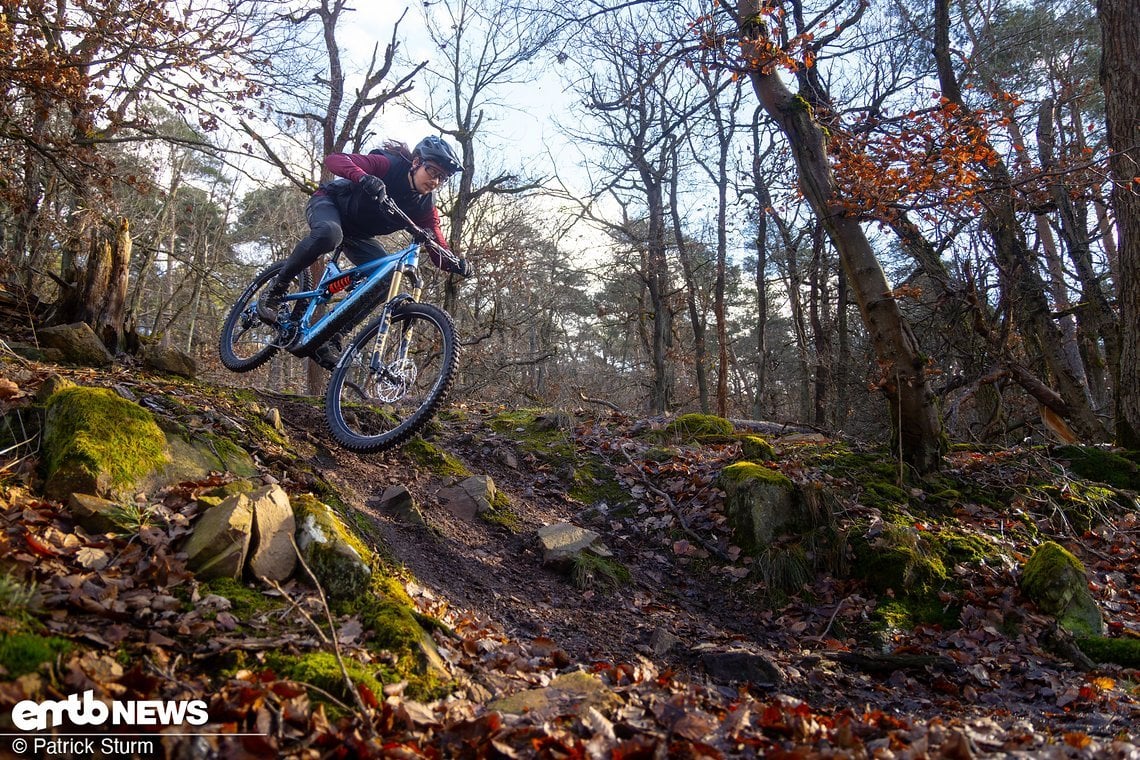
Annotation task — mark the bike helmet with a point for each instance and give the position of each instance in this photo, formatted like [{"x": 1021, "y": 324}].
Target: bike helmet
[{"x": 437, "y": 151}]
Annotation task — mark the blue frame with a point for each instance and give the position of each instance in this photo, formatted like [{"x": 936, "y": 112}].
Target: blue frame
[{"x": 404, "y": 259}]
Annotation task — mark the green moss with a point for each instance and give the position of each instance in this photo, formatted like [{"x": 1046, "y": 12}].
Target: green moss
[
  {"x": 23, "y": 653},
  {"x": 434, "y": 458},
  {"x": 247, "y": 602},
  {"x": 900, "y": 558},
  {"x": 545, "y": 435},
  {"x": 756, "y": 449},
  {"x": 1125, "y": 652},
  {"x": 340, "y": 577},
  {"x": 692, "y": 427},
  {"x": 502, "y": 513},
  {"x": 1093, "y": 463},
  {"x": 1057, "y": 582},
  {"x": 740, "y": 472},
  {"x": 322, "y": 670},
  {"x": 393, "y": 627},
  {"x": 593, "y": 483},
  {"x": 97, "y": 431},
  {"x": 906, "y": 612}
]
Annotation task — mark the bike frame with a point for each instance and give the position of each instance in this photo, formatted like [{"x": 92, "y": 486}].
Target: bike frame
[{"x": 309, "y": 334}]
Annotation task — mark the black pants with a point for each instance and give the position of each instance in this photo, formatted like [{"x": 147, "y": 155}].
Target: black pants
[{"x": 325, "y": 234}]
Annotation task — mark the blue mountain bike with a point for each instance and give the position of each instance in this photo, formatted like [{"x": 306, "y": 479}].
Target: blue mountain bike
[{"x": 393, "y": 375}]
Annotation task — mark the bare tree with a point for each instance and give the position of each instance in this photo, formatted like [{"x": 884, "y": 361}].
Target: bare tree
[{"x": 485, "y": 46}]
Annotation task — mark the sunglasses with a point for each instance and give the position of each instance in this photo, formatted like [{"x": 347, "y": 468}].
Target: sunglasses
[{"x": 439, "y": 175}]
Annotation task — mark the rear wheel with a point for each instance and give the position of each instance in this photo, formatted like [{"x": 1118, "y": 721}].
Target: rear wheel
[
  {"x": 378, "y": 399},
  {"x": 246, "y": 342}
]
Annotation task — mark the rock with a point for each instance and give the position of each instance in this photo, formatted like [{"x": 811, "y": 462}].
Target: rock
[
  {"x": 739, "y": 665},
  {"x": 753, "y": 448},
  {"x": 194, "y": 457},
  {"x": 760, "y": 504},
  {"x": 219, "y": 542},
  {"x": 506, "y": 457},
  {"x": 578, "y": 691},
  {"x": 98, "y": 443},
  {"x": 94, "y": 514},
  {"x": 77, "y": 344},
  {"x": 561, "y": 542},
  {"x": 398, "y": 501},
  {"x": 50, "y": 386},
  {"x": 272, "y": 555},
  {"x": 273, "y": 419},
  {"x": 470, "y": 497},
  {"x": 340, "y": 561},
  {"x": 170, "y": 360},
  {"x": 1056, "y": 581},
  {"x": 661, "y": 641}
]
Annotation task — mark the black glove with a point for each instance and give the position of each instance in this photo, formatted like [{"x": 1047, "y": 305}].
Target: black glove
[
  {"x": 460, "y": 267},
  {"x": 374, "y": 186}
]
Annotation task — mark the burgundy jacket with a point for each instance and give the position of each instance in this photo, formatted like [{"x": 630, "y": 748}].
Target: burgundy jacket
[{"x": 361, "y": 216}]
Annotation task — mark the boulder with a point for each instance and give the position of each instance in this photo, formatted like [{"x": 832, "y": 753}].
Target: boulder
[
  {"x": 94, "y": 514},
  {"x": 77, "y": 344},
  {"x": 397, "y": 500},
  {"x": 562, "y": 542},
  {"x": 761, "y": 504},
  {"x": 272, "y": 552},
  {"x": 470, "y": 497},
  {"x": 340, "y": 561},
  {"x": 1056, "y": 581},
  {"x": 170, "y": 360},
  {"x": 576, "y": 691},
  {"x": 218, "y": 545},
  {"x": 98, "y": 443}
]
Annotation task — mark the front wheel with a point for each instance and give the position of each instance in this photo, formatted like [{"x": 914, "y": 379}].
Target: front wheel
[
  {"x": 379, "y": 396},
  {"x": 246, "y": 342}
]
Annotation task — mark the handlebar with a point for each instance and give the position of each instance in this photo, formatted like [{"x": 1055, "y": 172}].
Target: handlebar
[{"x": 419, "y": 232}]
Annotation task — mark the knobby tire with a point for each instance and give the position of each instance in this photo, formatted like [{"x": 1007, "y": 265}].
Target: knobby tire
[
  {"x": 375, "y": 403},
  {"x": 246, "y": 342}
]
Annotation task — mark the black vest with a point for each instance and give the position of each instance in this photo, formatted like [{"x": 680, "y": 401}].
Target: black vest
[{"x": 361, "y": 216}]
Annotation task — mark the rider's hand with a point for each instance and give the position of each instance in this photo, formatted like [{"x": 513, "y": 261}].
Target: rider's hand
[
  {"x": 374, "y": 186},
  {"x": 460, "y": 267}
]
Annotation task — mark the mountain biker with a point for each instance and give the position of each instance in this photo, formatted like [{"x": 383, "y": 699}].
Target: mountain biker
[{"x": 350, "y": 207}]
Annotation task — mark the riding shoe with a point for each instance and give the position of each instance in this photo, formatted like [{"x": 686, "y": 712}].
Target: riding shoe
[{"x": 269, "y": 304}]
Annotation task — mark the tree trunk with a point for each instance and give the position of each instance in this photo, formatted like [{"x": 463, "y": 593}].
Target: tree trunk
[
  {"x": 913, "y": 412},
  {"x": 1120, "y": 76},
  {"x": 700, "y": 351},
  {"x": 100, "y": 295}
]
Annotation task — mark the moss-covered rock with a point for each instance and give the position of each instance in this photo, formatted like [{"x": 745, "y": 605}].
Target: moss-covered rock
[
  {"x": 338, "y": 558},
  {"x": 694, "y": 427},
  {"x": 761, "y": 504},
  {"x": 434, "y": 458},
  {"x": 1056, "y": 581},
  {"x": 99, "y": 443},
  {"x": 578, "y": 690},
  {"x": 1120, "y": 469},
  {"x": 754, "y": 448}
]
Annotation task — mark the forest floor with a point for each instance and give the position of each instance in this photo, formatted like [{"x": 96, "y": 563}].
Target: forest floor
[{"x": 698, "y": 652}]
